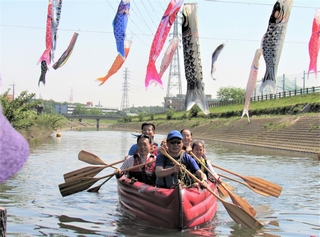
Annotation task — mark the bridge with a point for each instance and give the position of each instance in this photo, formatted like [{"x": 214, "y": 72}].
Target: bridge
[{"x": 96, "y": 117}]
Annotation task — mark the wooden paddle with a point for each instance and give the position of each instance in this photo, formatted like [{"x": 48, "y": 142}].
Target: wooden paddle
[
  {"x": 258, "y": 183},
  {"x": 90, "y": 158},
  {"x": 244, "y": 183},
  {"x": 78, "y": 185},
  {"x": 235, "y": 199},
  {"x": 239, "y": 215},
  {"x": 89, "y": 171},
  {"x": 96, "y": 188}
]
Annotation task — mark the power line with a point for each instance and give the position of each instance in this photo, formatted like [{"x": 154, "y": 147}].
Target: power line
[
  {"x": 251, "y": 3},
  {"x": 150, "y": 35}
]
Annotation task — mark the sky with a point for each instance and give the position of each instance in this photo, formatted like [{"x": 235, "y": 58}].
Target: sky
[{"x": 239, "y": 24}]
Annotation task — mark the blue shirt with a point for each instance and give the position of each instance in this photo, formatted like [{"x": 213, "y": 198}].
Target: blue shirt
[{"x": 165, "y": 162}]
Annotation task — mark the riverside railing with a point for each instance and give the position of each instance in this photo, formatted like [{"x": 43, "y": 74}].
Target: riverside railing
[{"x": 278, "y": 95}]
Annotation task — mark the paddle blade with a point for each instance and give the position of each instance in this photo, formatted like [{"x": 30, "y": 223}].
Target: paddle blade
[
  {"x": 222, "y": 192},
  {"x": 240, "y": 216},
  {"x": 263, "y": 185},
  {"x": 76, "y": 186},
  {"x": 243, "y": 204},
  {"x": 86, "y": 172},
  {"x": 96, "y": 188},
  {"x": 90, "y": 158}
]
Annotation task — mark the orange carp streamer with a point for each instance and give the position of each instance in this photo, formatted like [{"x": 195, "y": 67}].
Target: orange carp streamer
[
  {"x": 314, "y": 43},
  {"x": 117, "y": 64}
]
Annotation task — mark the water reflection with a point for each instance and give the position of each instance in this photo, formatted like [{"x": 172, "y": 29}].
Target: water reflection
[{"x": 35, "y": 206}]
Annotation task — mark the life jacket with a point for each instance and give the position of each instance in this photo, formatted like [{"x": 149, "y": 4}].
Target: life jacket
[
  {"x": 145, "y": 174},
  {"x": 203, "y": 164},
  {"x": 171, "y": 180}
]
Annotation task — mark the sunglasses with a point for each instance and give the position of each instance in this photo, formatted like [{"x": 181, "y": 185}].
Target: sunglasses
[{"x": 175, "y": 142}]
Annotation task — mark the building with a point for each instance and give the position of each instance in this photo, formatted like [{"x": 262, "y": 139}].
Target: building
[
  {"x": 68, "y": 109},
  {"x": 177, "y": 103}
]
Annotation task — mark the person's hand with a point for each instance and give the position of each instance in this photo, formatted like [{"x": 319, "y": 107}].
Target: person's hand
[
  {"x": 204, "y": 183},
  {"x": 176, "y": 168},
  {"x": 126, "y": 157},
  {"x": 196, "y": 185},
  {"x": 118, "y": 173}
]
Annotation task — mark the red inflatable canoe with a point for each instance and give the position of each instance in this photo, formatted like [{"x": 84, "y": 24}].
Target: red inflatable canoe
[{"x": 176, "y": 208}]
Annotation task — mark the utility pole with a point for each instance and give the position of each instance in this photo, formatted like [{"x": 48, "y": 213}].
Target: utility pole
[
  {"x": 13, "y": 88},
  {"x": 174, "y": 81},
  {"x": 125, "y": 88}
]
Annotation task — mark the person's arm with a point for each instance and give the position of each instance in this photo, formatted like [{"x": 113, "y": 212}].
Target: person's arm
[
  {"x": 215, "y": 175},
  {"x": 163, "y": 172},
  {"x": 202, "y": 176}
]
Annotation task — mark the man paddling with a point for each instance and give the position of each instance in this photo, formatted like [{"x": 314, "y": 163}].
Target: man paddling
[
  {"x": 145, "y": 174},
  {"x": 168, "y": 173}
]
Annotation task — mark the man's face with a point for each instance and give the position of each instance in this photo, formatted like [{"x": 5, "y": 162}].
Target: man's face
[
  {"x": 148, "y": 130},
  {"x": 174, "y": 146},
  {"x": 144, "y": 146}
]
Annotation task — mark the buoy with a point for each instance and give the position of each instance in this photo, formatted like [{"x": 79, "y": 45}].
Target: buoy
[{"x": 58, "y": 134}]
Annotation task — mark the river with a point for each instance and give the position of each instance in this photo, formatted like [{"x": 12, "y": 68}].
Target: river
[{"x": 36, "y": 208}]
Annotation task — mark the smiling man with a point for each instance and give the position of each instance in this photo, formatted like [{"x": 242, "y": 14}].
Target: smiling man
[{"x": 168, "y": 173}]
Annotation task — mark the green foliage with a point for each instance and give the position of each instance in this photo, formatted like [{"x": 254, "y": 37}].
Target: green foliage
[
  {"x": 184, "y": 116},
  {"x": 141, "y": 116},
  {"x": 95, "y": 111},
  {"x": 146, "y": 109},
  {"x": 50, "y": 121},
  {"x": 152, "y": 116},
  {"x": 79, "y": 109},
  {"x": 127, "y": 119},
  {"x": 19, "y": 111},
  {"x": 194, "y": 111},
  {"x": 230, "y": 93},
  {"x": 170, "y": 114}
]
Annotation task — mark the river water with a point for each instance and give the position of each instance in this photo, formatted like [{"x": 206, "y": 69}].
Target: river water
[{"x": 36, "y": 208}]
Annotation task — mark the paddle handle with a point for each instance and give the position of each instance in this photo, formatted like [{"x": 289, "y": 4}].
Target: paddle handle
[
  {"x": 220, "y": 168},
  {"x": 205, "y": 167},
  {"x": 165, "y": 153},
  {"x": 125, "y": 170}
]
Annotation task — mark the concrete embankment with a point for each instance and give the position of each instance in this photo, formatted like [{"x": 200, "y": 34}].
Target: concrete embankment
[{"x": 300, "y": 133}]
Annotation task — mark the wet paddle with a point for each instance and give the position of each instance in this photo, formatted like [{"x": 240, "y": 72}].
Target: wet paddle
[
  {"x": 89, "y": 171},
  {"x": 78, "y": 185},
  {"x": 239, "y": 215},
  {"x": 258, "y": 183},
  {"x": 235, "y": 199},
  {"x": 96, "y": 188},
  {"x": 252, "y": 188}
]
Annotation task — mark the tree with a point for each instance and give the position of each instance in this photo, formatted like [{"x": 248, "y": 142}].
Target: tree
[
  {"x": 79, "y": 110},
  {"x": 230, "y": 93},
  {"x": 19, "y": 112},
  {"x": 96, "y": 111}
]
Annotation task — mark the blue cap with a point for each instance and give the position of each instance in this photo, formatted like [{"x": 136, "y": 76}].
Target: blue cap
[{"x": 174, "y": 134}]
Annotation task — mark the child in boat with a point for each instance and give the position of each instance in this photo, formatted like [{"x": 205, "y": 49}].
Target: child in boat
[
  {"x": 150, "y": 130},
  {"x": 167, "y": 172},
  {"x": 146, "y": 173},
  {"x": 199, "y": 152},
  {"x": 14, "y": 149}
]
